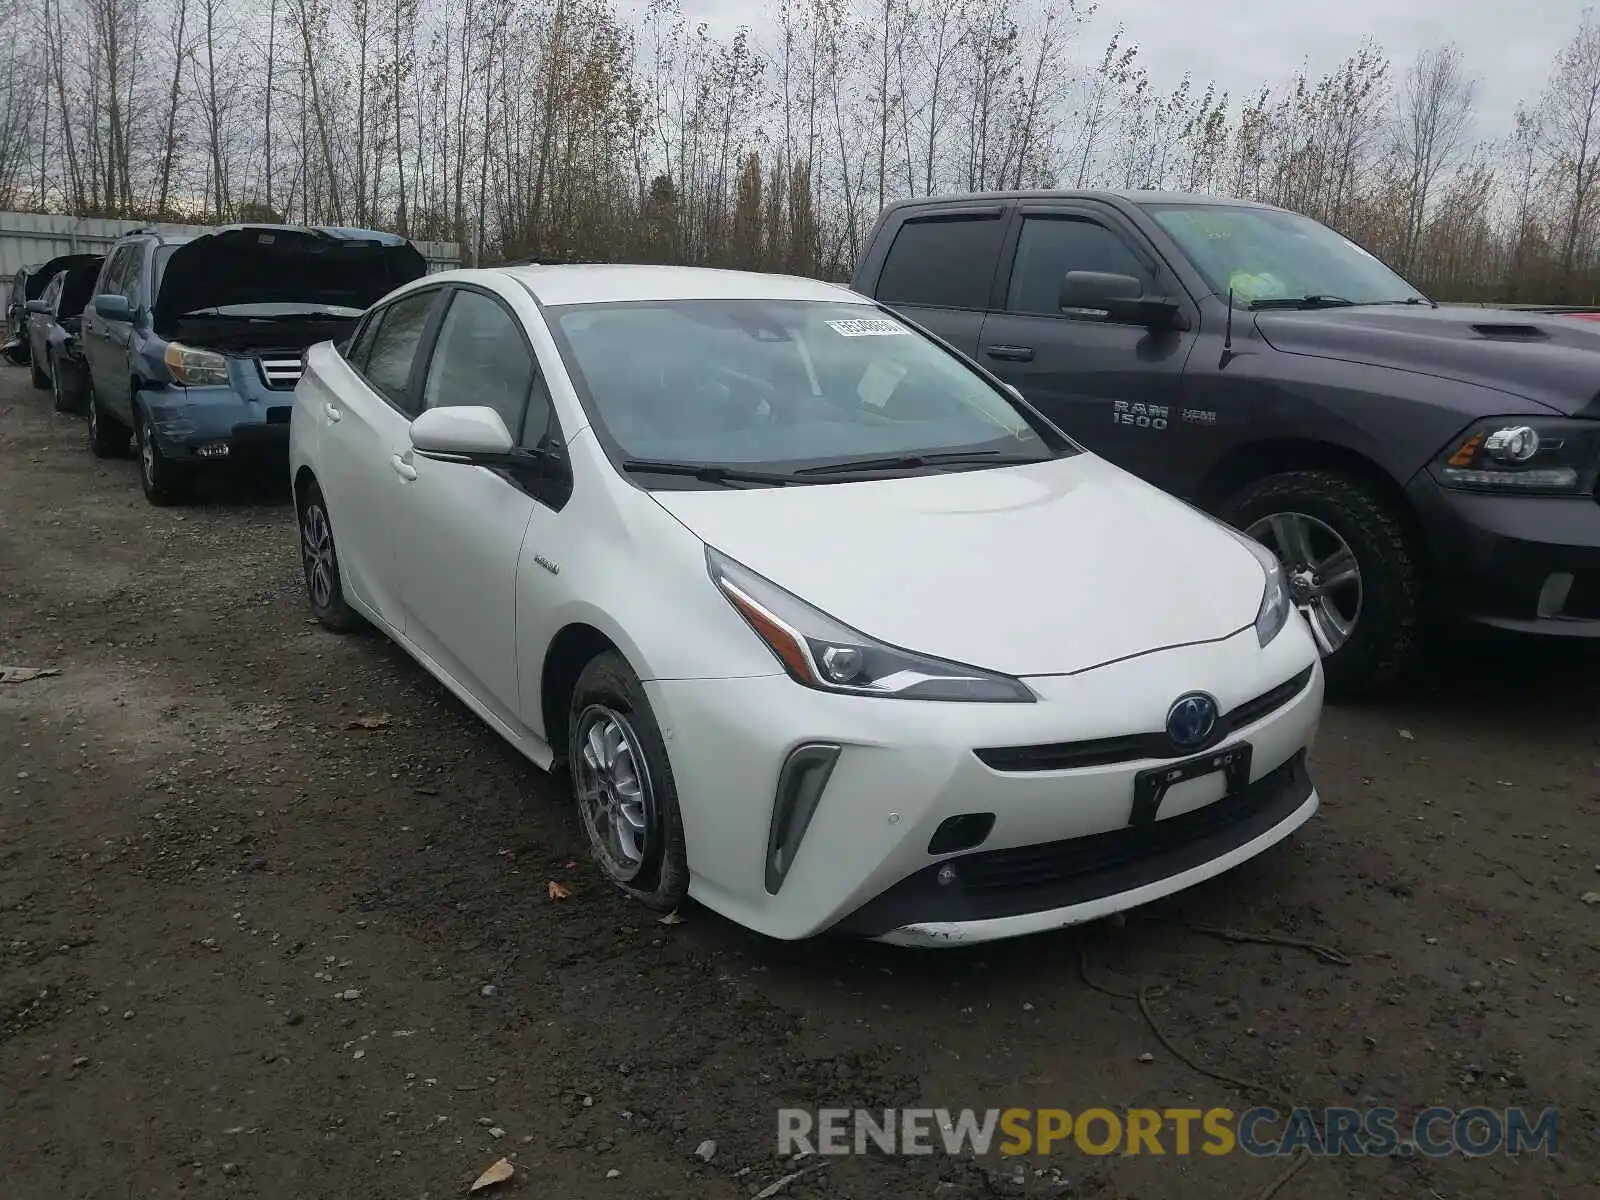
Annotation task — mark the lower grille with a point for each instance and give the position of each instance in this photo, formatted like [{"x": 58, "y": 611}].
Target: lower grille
[
  {"x": 1004, "y": 883},
  {"x": 280, "y": 372}
]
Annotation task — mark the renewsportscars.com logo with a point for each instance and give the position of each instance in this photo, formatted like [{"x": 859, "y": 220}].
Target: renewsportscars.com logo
[{"x": 1260, "y": 1132}]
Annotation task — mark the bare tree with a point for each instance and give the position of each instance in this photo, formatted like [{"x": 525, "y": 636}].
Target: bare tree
[{"x": 1433, "y": 112}]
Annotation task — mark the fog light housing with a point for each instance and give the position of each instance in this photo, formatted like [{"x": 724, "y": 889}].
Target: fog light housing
[{"x": 212, "y": 450}]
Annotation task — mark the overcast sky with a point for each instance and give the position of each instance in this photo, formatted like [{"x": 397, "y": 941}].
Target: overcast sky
[{"x": 1508, "y": 45}]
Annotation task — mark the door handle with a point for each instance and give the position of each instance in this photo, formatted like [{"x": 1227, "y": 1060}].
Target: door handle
[
  {"x": 334, "y": 414},
  {"x": 402, "y": 468},
  {"x": 1010, "y": 353}
]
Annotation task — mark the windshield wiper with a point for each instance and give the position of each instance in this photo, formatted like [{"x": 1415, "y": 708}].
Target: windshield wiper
[
  {"x": 1313, "y": 301},
  {"x": 706, "y": 472},
  {"x": 907, "y": 462}
]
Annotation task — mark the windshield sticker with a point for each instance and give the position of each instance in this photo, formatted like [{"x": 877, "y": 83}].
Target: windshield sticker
[
  {"x": 869, "y": 328},
  {"x": 879, "y": 381}
]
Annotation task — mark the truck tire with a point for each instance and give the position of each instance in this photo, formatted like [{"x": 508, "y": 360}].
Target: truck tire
[{"x": 1352, "y": 569}]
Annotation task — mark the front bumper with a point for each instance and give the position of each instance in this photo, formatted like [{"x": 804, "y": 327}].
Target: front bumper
[
  {"x": 1528, "y": 564},
  {"x": 216, "y": 424},
  {"x": 907, "y": 769}
]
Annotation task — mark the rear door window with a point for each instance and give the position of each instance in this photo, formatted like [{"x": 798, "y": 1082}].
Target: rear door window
[
  {"x": 945, "y": 263},
  {"x": 394, "y": 348}
]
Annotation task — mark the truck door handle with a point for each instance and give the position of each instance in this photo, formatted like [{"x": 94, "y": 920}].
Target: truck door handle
[
  {"x": 1010, "y": 353},
  {"x": 334, "y": 414},
  {"x": 402, "y": 468}
]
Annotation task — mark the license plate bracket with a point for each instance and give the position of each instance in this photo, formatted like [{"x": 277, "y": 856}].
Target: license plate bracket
[{"x": 1150, "y": 787}]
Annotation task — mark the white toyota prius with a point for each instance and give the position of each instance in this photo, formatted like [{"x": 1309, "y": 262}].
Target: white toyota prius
[{"x": 832, "y": 630}]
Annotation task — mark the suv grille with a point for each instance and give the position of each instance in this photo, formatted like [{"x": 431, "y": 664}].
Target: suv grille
[{"x": 280, "y": 371}]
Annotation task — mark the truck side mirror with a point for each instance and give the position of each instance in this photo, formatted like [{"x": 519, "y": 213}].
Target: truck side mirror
[{"x": 1121, "y": 298}]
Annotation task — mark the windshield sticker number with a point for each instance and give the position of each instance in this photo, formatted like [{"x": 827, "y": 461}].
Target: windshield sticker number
[
  {"x": 869, "y": 328},
  {"x": 1140, "y": 416}
]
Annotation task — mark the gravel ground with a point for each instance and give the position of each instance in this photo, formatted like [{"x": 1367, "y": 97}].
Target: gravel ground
[{"x": 251, "y": 948}]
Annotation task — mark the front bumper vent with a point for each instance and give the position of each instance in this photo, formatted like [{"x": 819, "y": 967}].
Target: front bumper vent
[{"x": 800, "y": 785}]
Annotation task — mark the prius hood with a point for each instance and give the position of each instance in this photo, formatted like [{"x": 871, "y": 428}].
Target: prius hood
[
  {"x": 1043, "y": 569},
  {"x": 1545, "y": 357},
  {"x": 257, "y": 264}
]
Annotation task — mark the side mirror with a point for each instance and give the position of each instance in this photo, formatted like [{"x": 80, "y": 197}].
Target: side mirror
[
  {"x": 465, "y": 432},
  {"x": 39, "y": 308},
  {"x": 1121, "y": 298},
  {"x": 113, "y": 307}
]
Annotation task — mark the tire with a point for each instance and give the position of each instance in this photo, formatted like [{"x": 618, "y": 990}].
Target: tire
[
  {"x": 319, "y": 558},
  {"x": 164, "y": 481},
  {"x": 1384, "y": 636},
  {"x": 61, "y": 399},
  {"x": 108, "y": 437},
  {"x": 609, "y": 709},
  {"x": 40, "y": 379}
]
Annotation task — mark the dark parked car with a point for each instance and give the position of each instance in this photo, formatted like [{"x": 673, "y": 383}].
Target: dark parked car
[
  {"x": 55, "y": 319},
  {"x": 29, "y": 284},
  {"x": 195, "y": 344},
  {"x": 1400, "y": 457}
]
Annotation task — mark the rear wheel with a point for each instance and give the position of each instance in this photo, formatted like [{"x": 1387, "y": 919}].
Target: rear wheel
[
  {"x": 624, "y": 786},
  {"x": 164, "y": 481},
  {"x": 108, "y": 437},
  {"x": 1350, "y": 567},
  {"x": 62, "y": 399},
  {"x": 320, "y": 559}
]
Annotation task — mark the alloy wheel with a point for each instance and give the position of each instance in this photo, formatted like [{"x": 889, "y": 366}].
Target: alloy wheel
[
  {"x": 614, "y": 791},
  {"x": 1321, "y": 571},
  {"x": 316, "y": 542},
  {"x": 147, "y": 452}
]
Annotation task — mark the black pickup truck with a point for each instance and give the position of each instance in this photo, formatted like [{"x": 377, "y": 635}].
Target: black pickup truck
[{"x": 1403, "y": 458}]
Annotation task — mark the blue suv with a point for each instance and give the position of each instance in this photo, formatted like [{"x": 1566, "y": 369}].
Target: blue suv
[{"x": 194, "y": 344}]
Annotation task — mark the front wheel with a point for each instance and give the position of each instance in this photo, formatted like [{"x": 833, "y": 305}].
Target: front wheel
[
  {"x": 164, "y": 481},
  {"x": 40, "y": 379},
  {"x": 63, "y": 400},
  {"x": 624, "y": 786},
  {"x": 1351, "y": 569}
]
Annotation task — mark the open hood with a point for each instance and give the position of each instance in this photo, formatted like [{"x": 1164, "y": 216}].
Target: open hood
[
  {"x": 284, "y": 264},
  {"x": 1545, "y": 357},
  {"x": 39, "y": 277},
  {"x": 1031, "y": 570}
]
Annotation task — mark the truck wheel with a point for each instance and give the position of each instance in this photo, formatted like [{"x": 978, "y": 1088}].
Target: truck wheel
[
  {"x": 1351, "y": 568},
  {"x": 108, "y": 437}
]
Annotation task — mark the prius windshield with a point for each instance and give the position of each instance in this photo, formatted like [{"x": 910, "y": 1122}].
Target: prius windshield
[
  {"x": 1269, "y": 258},
  {"x": 786, "y": 386}
]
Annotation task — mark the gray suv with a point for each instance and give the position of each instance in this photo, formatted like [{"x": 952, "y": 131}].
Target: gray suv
[{"x": 1401, "y": 457}]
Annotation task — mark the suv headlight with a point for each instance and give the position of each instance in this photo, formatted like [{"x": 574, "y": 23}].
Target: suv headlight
[
  {"x": 1274, "y": 611},
  {"x": 1532, "y": 455},
  {"x": 825, "y": 654},
  {"x": 193, "y": 367}
]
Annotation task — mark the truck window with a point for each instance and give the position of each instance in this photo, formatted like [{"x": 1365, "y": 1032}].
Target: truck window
[
  {"x": 942, "y": 263},
  {"x": 1050, "y": 246}
]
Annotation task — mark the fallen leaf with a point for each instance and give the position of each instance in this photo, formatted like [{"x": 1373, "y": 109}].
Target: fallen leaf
[
  {"x": 557, "y": 892},
  {"x": 23, "y": 674},
  {"x": 380, "y": 721},
  {"x": 672, "y": 918},
  {"x": 1591, "y": 897},
  {"x": 499, "y": 1172},
  {"x": 1408, "y": 735}
]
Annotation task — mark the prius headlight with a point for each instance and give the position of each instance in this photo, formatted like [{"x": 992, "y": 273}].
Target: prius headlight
[
  {"x": 822, "y": 653},
  {"x": 1274, "y": 611}
]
